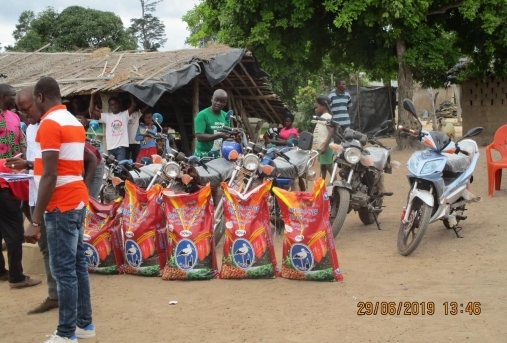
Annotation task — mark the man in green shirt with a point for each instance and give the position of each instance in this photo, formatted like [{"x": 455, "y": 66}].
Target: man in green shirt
[{"x": 206, "y": 125}]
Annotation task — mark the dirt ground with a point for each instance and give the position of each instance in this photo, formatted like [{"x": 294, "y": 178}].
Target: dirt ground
[{"x": 442, "y": 269}]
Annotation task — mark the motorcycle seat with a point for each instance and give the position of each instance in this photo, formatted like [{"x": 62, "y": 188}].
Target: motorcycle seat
[
  {"x": 299, "y": 158},
  {"x": 380, "y": 156},
  {"x": 456, "y": 163},
  {"x": 143, "y": 178},
  {"x": 219, "y": 170}
]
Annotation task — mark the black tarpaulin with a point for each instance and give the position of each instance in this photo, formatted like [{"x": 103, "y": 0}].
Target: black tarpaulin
[
  {"x": 371, "y": 107},
  {"x": 217, "y": 68},
  {"x": 149, "y": 92}
]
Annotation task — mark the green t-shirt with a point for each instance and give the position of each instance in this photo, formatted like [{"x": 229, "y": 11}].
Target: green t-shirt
[{"x": 208, "y": 122}]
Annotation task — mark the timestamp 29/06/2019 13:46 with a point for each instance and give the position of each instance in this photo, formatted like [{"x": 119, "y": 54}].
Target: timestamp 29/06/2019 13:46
[{"x": 414, "y": 308}]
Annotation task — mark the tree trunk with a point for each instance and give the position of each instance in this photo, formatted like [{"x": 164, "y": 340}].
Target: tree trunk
[
  {"x": 405, "y": 90},
  {"x": 457, "y": 100}
]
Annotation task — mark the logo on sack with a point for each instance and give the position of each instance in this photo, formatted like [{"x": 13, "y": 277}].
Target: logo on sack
[
  {"x": 133, "y": 253},
  {"x": 129, "y": 234},
  {"x": 326, "y": 197},
  {"x": 240, "y": 233},
  {"x": 86, "y": 237},
  {"x": 185, "y": 233},
  {"x": 185, "y": 254},
  {"x": 301, "y": 257},
  {"x": 91, "y": 256},
  {"x": 243, "y": 253},
  {"x": 299, "y": 238}
]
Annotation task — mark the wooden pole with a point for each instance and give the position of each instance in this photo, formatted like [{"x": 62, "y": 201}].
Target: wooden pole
[
  {"x": 232, "y": 104},
  {"x": 257, "y": 129},
  {"x": 244, "y": 119},
  {"x": 195, "y": 106},
  {"x": 182, "y": 129},
  {"x": 457, "y": 100},
  {"x": 358, "y": 109},
  {"x": 116, "y": 65}
]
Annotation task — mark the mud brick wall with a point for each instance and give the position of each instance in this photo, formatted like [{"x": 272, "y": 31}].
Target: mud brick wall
[{"x": 484, "y": 103}]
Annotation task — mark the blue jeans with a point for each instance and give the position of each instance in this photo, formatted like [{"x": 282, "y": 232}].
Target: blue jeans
[
  {"x": 94, "y": 189},
  {"x": 119, "y": 153},
  {"x": 68, "y": 266},
  {"x": 43, "y": 246}
]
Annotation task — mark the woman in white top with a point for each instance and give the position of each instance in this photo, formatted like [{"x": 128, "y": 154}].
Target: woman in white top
[{"x": 323, "y": 134}]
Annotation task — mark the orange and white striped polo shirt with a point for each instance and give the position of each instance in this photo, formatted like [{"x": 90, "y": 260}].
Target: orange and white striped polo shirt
[{"x": 60, "y": 131}]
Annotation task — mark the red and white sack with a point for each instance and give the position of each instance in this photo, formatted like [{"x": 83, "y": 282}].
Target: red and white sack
[
  {"x": 191, "y": 251},
  {"x": 248, "y": 245},
  {"x": 308, "y": 247},
  {"x": 144, "y": 231}
]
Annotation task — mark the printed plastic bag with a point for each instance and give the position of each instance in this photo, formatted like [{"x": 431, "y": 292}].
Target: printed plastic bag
[
  {"x": 102, "y": 238},
  {"x": 191, "y": 245},
  {"x": 144, "y": 231},
  {"x": 308, "y": 246},
  {"x": 248, "y": 245}
]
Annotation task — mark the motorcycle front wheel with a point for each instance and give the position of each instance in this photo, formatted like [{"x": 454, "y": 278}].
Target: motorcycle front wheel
[
  {"x": 339, "y": 209},
  {"x": 411, "y": 233}
]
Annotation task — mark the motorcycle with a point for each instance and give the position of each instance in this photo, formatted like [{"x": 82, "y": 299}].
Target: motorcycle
[
  {"x": 113, "y": 179},
  {"x": 176, "y": 172},
  {"x": 286, "y": 165},
  {"x": 362, "y": 170},
  {"x": 243, "y": 160},
  {"x": 439, "y": 177}
]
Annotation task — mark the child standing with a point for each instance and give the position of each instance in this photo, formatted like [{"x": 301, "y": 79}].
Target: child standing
[
  {"x": 323, "y": 134},
  {"x": 148, "y": 143}
]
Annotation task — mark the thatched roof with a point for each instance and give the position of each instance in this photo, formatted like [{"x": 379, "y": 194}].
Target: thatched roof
[{"x": 151, "y": 75}]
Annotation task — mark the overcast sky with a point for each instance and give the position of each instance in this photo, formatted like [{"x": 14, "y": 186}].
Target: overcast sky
[{"x": 169, "y": 11}]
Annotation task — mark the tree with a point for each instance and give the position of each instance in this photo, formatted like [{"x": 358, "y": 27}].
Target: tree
[
  {"x": 149, "y": 30},
  {"x": 74, "y": 28},
  {"x": 415, "y": 40},
  {"x": 23, "y": 26},
  {"x": 195, "y": 19}
]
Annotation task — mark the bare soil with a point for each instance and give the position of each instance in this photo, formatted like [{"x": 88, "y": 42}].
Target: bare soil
[{"x": 443, "y": 269}]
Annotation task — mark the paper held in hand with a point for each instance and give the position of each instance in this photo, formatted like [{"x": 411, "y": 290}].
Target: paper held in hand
[{"x": 16, "y": 177}]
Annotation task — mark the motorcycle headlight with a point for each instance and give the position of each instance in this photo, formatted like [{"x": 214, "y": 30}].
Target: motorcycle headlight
[
  {"x": 353, "y": 155},
  {"x": 413, "y": 165},
  {"x": 171, "y": 169},
  {"x": 431, "y": 166},
  {"x": 251, "y": 162}
]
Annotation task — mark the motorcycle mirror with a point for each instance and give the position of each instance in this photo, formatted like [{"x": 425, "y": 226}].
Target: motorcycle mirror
[
  {"x": 473, "y": 132},
  {"x": 228, "y": 115},
  {"x": 386, "y": 124},
  {"x": 409, "y": 106},
  {"x": 94, "y": 125},
  {"x": 157, "y": 117},
  {"x": 22, "y": 126}
]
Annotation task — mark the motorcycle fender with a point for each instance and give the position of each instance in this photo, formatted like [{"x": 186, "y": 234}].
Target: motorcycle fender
[
  {"x": 341, "y": 184},
  {"x": 424, "y": 195}
]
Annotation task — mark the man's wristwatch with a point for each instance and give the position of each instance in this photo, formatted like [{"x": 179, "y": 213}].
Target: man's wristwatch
[
  {"x": 36, "y": 224},
  {"x": 29, "y": 165}
]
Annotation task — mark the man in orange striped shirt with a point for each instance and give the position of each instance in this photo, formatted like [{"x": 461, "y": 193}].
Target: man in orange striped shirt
[{"x": 62, "y": 199}]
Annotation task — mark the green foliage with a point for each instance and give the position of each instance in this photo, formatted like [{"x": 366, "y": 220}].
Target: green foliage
[
  {"x": 148, "y": 30},
  {"x": 293, "y": 34},
  {"x": 23, "y": 25},
  {"x": 196, "y": 24},
  {"x": 305, "y": 100},
  {"x": 74, "y": 28}
]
